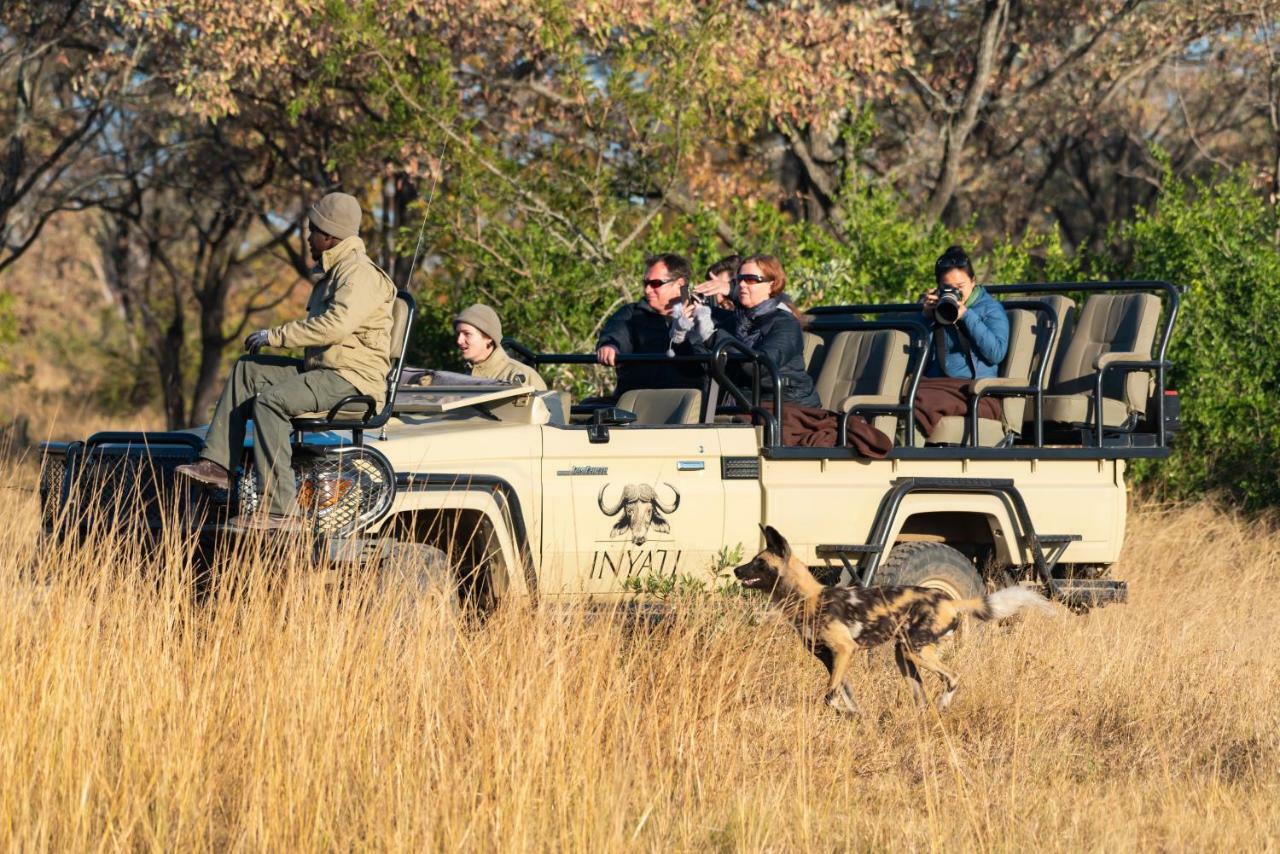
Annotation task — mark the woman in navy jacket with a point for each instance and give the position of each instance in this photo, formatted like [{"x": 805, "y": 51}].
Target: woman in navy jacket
[{"x": 761, "y": 321}]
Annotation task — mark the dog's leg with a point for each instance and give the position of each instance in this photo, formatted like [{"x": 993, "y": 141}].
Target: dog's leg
[
  {"x": 823, "y": 654},
  {"x": 909, "y": 672},
  {"x": 841, "y": 645},
  {"x": 927, "y": 657}
]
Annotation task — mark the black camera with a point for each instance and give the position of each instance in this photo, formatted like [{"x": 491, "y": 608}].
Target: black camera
[
  {"x": 947, "y": 308},
  {"x": 688, "y": 294}
]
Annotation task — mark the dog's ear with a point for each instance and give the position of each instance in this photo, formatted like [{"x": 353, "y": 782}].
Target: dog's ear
[{"x": 775, "y": 542}]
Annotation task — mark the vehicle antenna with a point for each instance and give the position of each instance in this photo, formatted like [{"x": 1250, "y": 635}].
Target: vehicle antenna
[
  {"x": 422, "y": 228},
  {"x": 417, "y": 249}
]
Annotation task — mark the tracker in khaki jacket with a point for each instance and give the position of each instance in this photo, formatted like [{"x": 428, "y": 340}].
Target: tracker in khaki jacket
[
  {"x": 499, "y": 366},
  {"x": 348, "y": 324}
]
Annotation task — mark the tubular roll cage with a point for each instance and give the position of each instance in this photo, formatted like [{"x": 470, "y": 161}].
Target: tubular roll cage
[{"x": 841, "y": 318}]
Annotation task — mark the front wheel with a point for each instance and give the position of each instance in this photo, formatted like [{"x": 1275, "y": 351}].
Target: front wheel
[
  {"x": 932, "y": 565},
  {"x": 420, "y": 572}
]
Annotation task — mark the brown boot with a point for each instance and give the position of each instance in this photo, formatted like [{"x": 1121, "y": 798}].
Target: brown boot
[{"x": 207, "y": 472}]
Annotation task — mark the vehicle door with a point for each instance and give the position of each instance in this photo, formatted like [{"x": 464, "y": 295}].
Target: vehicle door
[{"x": 646, "y": 505}]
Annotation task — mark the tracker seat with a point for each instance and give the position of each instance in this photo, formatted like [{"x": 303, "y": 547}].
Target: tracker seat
[{"x": 360, "y": 412}]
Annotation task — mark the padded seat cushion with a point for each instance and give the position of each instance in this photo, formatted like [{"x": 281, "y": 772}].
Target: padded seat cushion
[
  {"x": 1078, "y": 409},
  {"x": 814, "y": 352},
  {"x": 951, "y": 430},
  {"x": 663, "y": 405},
  {"x": 863, "y": 362}
]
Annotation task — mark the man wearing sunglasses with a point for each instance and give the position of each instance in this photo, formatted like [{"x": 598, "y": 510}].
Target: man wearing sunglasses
[
  {"x": 645, "y": 326},
  {"x": 346, "y": 339}
]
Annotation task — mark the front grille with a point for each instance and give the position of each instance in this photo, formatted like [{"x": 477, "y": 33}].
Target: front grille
[
  {"x": 121, "y": 485},
  {"x": 53, "y": 474}
]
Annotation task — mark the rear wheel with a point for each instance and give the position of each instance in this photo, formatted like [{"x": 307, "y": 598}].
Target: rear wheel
[{"x": 932, "y": 565}]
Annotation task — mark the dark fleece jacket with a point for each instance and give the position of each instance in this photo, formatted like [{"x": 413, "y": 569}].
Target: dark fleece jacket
[{"x": 639, "y": 328}]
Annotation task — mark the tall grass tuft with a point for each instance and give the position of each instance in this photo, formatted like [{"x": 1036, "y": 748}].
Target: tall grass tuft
[{"x": 284, "y": 711}]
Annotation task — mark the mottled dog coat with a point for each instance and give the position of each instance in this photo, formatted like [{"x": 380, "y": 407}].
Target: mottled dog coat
[{"x": 835, "y": 621}]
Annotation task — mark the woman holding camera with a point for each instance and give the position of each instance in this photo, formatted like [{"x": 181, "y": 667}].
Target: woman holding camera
[
  {"x": 761, "y": 321},
  {"x": 970, "y": 336}
]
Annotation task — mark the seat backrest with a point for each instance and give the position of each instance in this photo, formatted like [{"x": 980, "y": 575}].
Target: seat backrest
[
  {"x": 814, "y": 351},
  {"x": 1109, "y": 323},
  {"x": 1050, "y": 349},
  {"x": 1019, "y": 358},
  {"x": 403, "y": 309},
  {"x": 663, "y": 405},
  {"x": 863, "y": 362}
]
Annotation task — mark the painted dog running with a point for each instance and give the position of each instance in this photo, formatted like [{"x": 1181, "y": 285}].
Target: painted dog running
[{"x": 835, "y": 621}]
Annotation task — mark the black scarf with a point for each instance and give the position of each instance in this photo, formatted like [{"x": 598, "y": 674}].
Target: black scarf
[{"x": 746, "y": 321}]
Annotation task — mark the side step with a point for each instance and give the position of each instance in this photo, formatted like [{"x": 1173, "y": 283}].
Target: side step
[
  {"x": 1090, "y": 592},
  {"x": 847, "y": 554}
]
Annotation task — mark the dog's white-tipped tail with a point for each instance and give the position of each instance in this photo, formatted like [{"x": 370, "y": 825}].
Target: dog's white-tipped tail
[{"x": 1011, "y": 600}]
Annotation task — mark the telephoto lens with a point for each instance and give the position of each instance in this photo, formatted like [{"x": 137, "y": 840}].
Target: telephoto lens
[{"x": 947, "y": 309}]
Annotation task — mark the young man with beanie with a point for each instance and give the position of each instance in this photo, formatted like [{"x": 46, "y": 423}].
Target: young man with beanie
[
  {"x": 480, "y": 344},
  {"x": 346, "y": 338}
]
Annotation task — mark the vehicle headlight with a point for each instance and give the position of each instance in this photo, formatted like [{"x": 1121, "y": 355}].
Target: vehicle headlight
[{"x": 341, "y": 488}]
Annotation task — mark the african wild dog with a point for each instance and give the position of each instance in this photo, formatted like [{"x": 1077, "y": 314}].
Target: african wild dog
[{"x": 834, "y": 621}]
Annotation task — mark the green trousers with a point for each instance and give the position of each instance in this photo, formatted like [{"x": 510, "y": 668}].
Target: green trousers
[{"x": 270, "y": 390}]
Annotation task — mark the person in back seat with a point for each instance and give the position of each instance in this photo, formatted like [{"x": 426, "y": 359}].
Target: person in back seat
[
  {"x": 970, "y": 336},
  {"x": 645, "y": 326},
  {"x": 721, "y": 289},
  {"x": 762, "y": 322},
  {"x": 480, "y": 344}
]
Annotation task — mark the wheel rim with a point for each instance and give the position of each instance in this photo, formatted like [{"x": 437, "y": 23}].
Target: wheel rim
[{"x": 942, "y": 584}]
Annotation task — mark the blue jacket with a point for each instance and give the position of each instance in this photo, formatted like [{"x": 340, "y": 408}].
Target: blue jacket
[{"x": 986, "y": 327}]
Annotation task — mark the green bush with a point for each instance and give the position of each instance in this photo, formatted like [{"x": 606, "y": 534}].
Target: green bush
[{"x": 1218, "y": 240}]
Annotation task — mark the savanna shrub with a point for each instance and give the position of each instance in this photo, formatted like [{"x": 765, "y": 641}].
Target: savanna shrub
[{"x": 1218, "y": 239}]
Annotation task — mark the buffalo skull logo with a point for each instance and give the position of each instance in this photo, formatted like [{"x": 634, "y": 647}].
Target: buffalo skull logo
[{"x": 639, "y": 506}]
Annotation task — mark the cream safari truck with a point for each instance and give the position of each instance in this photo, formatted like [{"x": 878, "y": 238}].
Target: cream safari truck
[{"x": 507, "y": 491}]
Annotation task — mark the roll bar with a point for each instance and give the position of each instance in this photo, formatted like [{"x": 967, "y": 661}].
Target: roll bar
[{"x": 715, "y": 362}]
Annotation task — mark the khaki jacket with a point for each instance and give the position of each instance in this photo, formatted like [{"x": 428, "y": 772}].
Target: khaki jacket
[
  {"x": 348, "y": 323},
  {"x": 499, "y": 366}
]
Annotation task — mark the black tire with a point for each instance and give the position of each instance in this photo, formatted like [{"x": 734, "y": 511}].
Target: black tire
[
  {"x": 420, "y": 571},
  {"x": 933, "y": 565}
]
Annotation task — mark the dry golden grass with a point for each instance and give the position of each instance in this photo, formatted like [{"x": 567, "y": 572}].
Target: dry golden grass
[{"x": 283, "y": 715}]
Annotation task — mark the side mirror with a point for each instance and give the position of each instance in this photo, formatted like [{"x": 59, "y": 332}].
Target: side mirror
[{"x": 603, "y": 419}]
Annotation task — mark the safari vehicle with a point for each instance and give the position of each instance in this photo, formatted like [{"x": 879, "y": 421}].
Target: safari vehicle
[{"x": 529, "y": 496}]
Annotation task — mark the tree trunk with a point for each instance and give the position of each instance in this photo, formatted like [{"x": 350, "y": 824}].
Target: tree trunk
[
  {"x": 205, "y": 392},
  {"x": 169, "y": 352},
  {"x": 960, "y": 123}
]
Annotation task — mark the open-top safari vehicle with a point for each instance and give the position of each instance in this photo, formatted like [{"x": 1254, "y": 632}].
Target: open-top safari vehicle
[{"x": 524, "y": 494}]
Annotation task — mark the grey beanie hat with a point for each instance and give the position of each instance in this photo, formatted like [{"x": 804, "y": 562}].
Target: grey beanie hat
[
  {"x": 483, "y": 318},
  {"x": 337, "y": 214}
]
